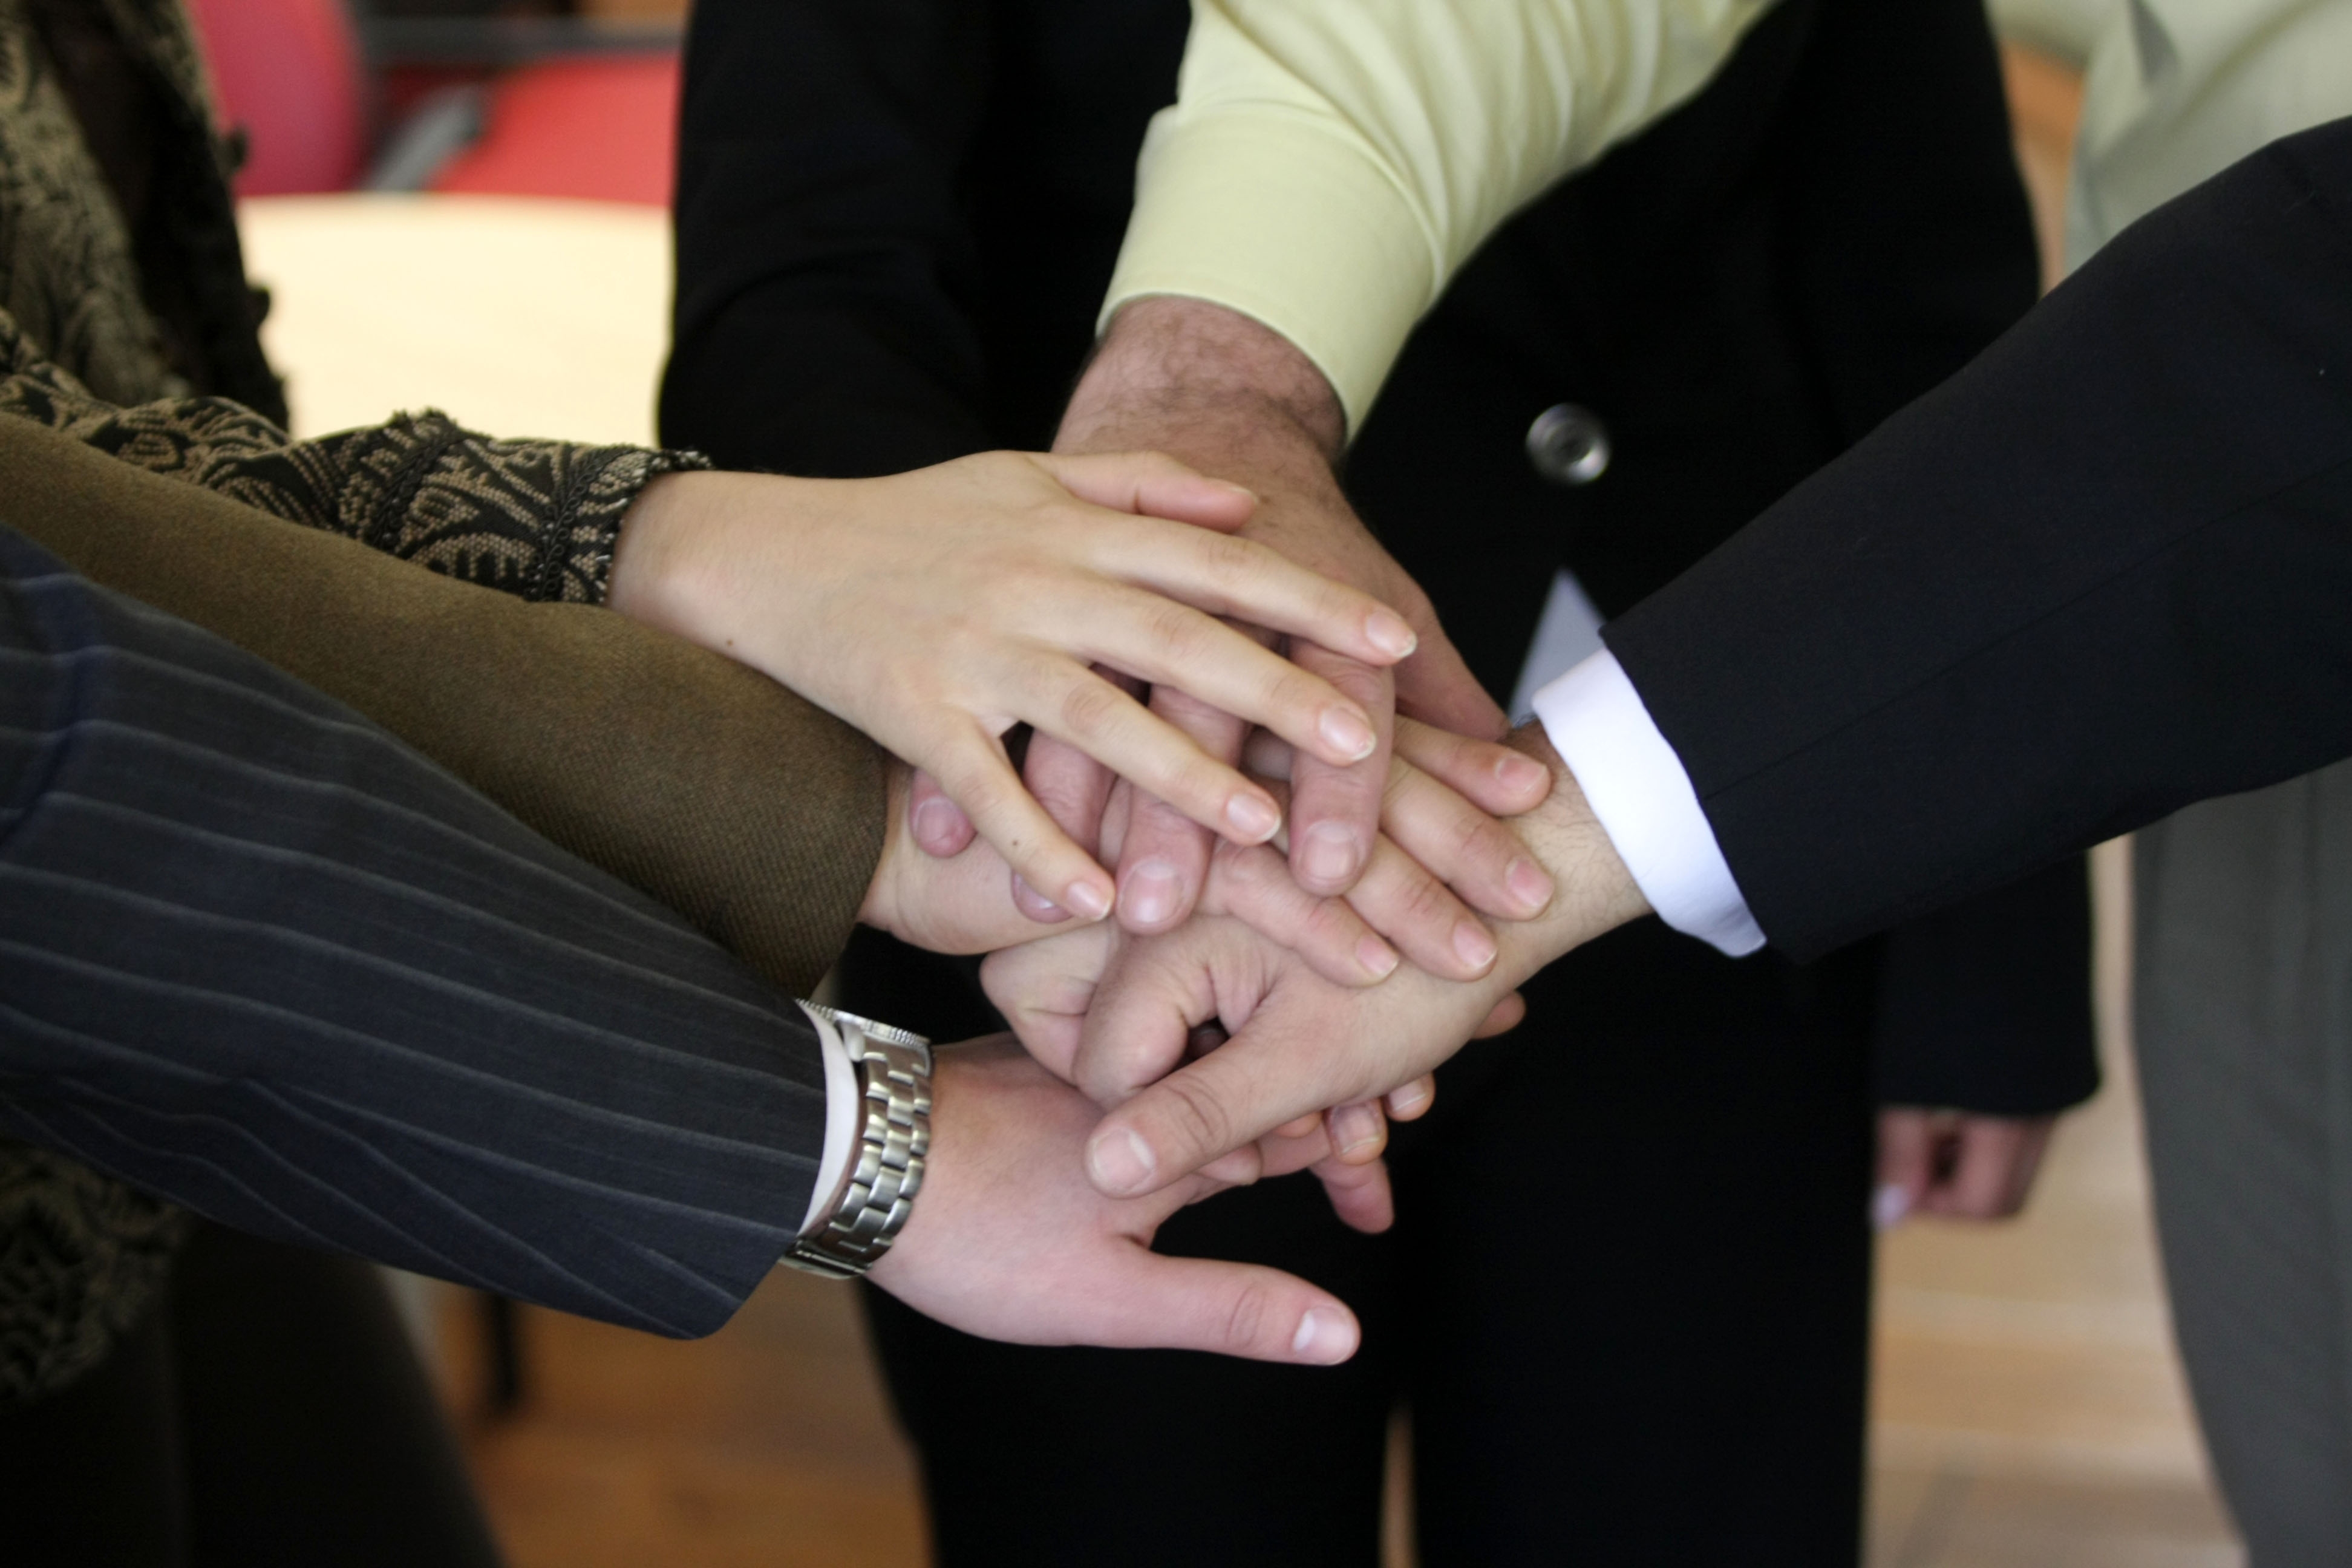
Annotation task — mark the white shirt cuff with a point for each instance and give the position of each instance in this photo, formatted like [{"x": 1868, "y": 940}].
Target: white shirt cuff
[
  {"x": 843, "y": 1119},
  {"x": 1643, "y": 800}
]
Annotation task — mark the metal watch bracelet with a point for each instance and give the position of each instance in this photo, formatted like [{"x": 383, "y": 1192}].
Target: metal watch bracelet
[{"x": 893, "y": 1083}]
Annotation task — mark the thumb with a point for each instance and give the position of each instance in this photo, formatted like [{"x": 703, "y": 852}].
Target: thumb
[
  {"x": 1153, "y": 484},
  {"x": 1229, "y": 1309}
]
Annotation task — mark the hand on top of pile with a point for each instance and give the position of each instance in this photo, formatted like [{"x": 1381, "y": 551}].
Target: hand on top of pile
[{"x": 936, "y": 610}]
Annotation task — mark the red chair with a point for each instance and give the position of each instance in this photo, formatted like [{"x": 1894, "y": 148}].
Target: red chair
[
  {"x": 289, "y": 74},
  {"x": 572, "y": 117},
  {"x": 602, "y": 128}
]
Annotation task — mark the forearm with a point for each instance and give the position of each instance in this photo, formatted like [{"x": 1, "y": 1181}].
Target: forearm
[
  {"x": 1910, "y": 679},
  {"x": 1328, "y": 166},
  {"x": 536, "y": 519},
  {"x": 261, "y": 959},
  {"x": 753, "y": 813}
]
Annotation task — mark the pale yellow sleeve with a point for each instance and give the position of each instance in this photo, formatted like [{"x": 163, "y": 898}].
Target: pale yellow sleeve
[{"x": 1329, "y": 163}]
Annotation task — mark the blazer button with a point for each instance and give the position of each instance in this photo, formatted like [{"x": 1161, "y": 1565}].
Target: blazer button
[{"x": 1567, "y": 445}]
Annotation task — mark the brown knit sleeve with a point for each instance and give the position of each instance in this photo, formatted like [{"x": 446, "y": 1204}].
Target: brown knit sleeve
[{"x": 533, "y": 519}]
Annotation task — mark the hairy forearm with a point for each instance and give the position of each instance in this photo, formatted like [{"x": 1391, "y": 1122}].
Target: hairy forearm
[{"x": 1198, "y": 373}]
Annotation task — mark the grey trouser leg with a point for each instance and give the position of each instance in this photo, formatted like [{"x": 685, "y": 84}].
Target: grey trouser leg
[{"x": 2243, "y": 1016}]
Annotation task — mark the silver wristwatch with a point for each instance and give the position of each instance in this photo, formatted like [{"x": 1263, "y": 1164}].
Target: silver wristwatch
[{"x": 878, "y": 1190}]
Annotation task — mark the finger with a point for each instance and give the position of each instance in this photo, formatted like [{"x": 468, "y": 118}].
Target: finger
[
  {"x": 1335, "y": 812},
  {"x": 1411, "y": 1102},
  {"x": 1140, "y": 1024},
  {"x": 1436, "y": 685},
  {"x": 1152, "y": 483},
  {"x": 1230, "y": 1309},
  {"x": 1494, "y": 777},
  {"x": 938, "y": 825},
  {"x": 1480, "y": 858},
  {"x": 1508, "y": 1014},
  {"x": 1907, "y": 1159},
  {"x": 1163, "y": 859},
  {"x": 1172, "y": 645},
  {"x": 1359, "y": 1132},
  {"x": 1045, "y": 988},
  {"x": 1254, "y": 886},
  {"x": 1405, "y": 902},
  {"x": 1072, "y": 787},
  {"x": 974, "y": 772},
  {"x": 1991, "y": 1168},
  {"x": 1198, "y": 1113},
  {"x": 1359, "y": 1194},
  {"x": 1249, "y": 582},
  {"x": 1082, "y": 710}
]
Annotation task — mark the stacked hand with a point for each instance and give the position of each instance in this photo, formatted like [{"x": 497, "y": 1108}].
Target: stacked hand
[{"x": 1188, "y": 658}]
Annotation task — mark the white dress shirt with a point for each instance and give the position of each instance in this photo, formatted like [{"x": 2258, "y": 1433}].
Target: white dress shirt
[{"x": 1642, "y": 798}]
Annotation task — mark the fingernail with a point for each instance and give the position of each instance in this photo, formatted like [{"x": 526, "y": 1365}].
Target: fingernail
[
  {"x": 1379, "y": 959},
  {"x": 1087, "y": 900},
  {"x": 1237, "y": 490},
  {"x": 934, "y": 822},
  {"x": 1528, "y": 884},
  {"x": 1323, "y": 1337},
  {"x": 1151, "y": 893},
  {"x": 1390, "y": 634},
  {"x": 1889, "y": 1205},
  {"x": 1473, "y": 946},
  {"x": 1408, "y": 1099},
  {"x": 1330, "y": 855},
  {"x": 1353, "y": 1126},
  {"x": 1034, "y": 904},
  {"x": 1347, "y": 734},
  {"x": 1120, "y": 1161},
  {"x": 1253, "y": 816},
  {"x": 1521, "y": 776}
]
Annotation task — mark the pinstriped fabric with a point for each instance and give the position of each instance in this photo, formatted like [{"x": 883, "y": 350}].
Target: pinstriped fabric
[{"x": 259, "y": 959}]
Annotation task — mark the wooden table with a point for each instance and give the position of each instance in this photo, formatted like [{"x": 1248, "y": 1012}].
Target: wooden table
[{"x": 519, "y": 316}]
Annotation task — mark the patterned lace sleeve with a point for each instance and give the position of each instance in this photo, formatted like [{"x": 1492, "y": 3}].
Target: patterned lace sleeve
[{"x": 535, "y": 519}]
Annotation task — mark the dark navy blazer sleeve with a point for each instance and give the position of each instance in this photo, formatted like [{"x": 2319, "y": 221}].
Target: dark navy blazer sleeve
[
  {"x": 2103, "y": 573},
  {"x": 260, "y": 958}
]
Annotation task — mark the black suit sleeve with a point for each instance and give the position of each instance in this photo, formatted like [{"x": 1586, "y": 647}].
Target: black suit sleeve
[
  {"x": 258, "y": 956},
  {"x": 826, "y": 267},
  {"x": 1985, "y": 1006},
  {"x": 2103, "y": 573}
]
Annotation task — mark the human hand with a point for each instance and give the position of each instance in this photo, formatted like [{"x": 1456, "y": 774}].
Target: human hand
[
  {"x": 938, "y": 609},
  {"x": 961, "y": 902},
  {"x": 1229, "y": 394},
  {"x": 1956, "y": 1163},
  {"x": 1299, "y": 1044},
  {"x": 1007, "y": 1240},
  {"x": 1047, "y": 988}
]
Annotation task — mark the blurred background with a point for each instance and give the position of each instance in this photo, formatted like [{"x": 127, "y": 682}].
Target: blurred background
[{"x": 462, "y": 206}]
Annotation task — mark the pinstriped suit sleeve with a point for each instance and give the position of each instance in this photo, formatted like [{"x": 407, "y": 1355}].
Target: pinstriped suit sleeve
[{"x": 259, "y": 957}]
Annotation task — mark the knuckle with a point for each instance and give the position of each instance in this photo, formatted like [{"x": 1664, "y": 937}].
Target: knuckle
[
  {"x": 1229, "y": 559},
  {"x": 1180, "y": 633},
  {"x": 1090, "y": 707},
  {"x": 1198, "y": 1115},
  {"x": 1247, "y": 1317}
]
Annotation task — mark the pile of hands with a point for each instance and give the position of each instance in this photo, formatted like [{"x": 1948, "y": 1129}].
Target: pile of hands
[{"x": 1251, "y": 850}]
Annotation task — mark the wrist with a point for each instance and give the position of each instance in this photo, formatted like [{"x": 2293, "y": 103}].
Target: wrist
[
  {"x": 653, "y": 556},
  {"x": 1597, "y": 892},
  {"x": 1173, "y": 364}
]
